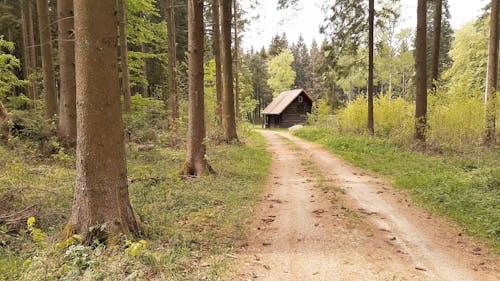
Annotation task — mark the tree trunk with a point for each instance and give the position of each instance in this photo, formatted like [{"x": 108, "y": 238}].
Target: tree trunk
[
  {"x": 421, "y": 73},
  {"x": 26, "y": 57},
  {"x": 101, "y": 193},
  {"x": 145, "y": 71},
  {"x": 218, "y": 68},
  {"x": 3, "y": 114},
  {"x": 67, "y": 96},
  {"x": 173, "y": 103},
  {"x": 437, "y": 41},
  {"x": 196, "y": 164},
  {"x": 236, "y": 62},
  {"x": 492, "y": 75},
  {"x": 32, "y": 50},
  {"x": 49, "y": 81},
  {"x": 228, "y": 116},
  {"x": 371, "y": 16},
  {"x": 122, "y": 25}
]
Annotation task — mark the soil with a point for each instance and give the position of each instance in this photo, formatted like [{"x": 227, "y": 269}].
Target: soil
[{"x": 323, "y": 219}]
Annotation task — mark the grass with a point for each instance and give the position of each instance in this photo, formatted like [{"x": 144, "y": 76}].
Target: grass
[
  {"x": 188, "y": 225},
  {"x": 465, "y": 187}
]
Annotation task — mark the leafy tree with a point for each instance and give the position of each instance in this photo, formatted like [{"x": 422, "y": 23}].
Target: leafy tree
[
  {"x": 9, "y": 65},
  {"x": 281, "y": 72},
  {"x": 469, "y": 54}
]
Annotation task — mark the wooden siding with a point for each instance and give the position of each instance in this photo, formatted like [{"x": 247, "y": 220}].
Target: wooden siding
[{"x": 294, "y": 114}]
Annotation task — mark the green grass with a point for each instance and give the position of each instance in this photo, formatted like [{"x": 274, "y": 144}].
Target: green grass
[
  {"x": 189, "y": 225},
  {"x": 465, "y": 187}
]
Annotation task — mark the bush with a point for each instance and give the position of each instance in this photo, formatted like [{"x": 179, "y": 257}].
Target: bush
[
  {"x": 33, "y": 129},
  {"x": 455, "y": 121},
  {"x": 147, "y": 117}
]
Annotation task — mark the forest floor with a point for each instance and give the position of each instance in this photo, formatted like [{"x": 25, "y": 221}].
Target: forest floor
[{"x": 323, "y": 219}]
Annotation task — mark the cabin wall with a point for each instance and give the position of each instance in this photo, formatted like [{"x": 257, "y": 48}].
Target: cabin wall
[{"x": 296, "y": 113}]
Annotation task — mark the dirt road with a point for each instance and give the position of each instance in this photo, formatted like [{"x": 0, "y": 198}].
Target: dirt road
[{"x": 322, "y": 219}]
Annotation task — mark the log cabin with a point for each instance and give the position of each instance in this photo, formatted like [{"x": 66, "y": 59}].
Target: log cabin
[{"x": 288, "y": 109}]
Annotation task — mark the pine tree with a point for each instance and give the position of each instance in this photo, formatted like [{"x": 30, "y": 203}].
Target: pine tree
[
  {"x": 301, "y": 64},
  {"x": 101, "y": 206}
]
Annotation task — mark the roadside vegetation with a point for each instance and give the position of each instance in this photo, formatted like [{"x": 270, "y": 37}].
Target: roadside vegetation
[
  {"x": 189, "y": 226},
  {"x": 452, "y": 176}
]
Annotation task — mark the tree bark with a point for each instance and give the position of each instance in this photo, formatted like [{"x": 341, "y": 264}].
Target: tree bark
[
  {"x": 421, "y": 73},
  {"x": 67, "y": 96},
  {"x": 236, "y": 62},
  {"x": 196, "y": 164},
  {"x": 49, "y": 81},
  {"x": 173, "y": 103},
  {"x": 32, "y": 50},
  {"x": 438, "y": 11},
  {"x": 3, "y": 114},
  {"x": 145, "y": 71},
  {"x": 371, "y": 16},
  {"x": 122, "y": 25},
  {"x": 218, "y": 68},
  {"x": 228, "y": 107},
  {"x": 492, "y": 86},
  {"x": 26, "y": 57},
  {"x": 101, "y": 195}
]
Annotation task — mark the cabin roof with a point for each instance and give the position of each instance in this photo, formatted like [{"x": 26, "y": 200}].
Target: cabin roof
[{"x": 279, "y": 104}]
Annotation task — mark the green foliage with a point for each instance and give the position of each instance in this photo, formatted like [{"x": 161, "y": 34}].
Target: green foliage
[
  {"x": 455, "y": 122},
  {"x": 32, "y": 129},
  {"x": 148, "y": 116},
  {"x": 281, "y": 72},
  {"x": 183, "y": 223},
  {"x": 469, "y": 53},
  {"x": 37, "y": 234},
  {"x": 8, "y": 67},
  {"x": 464, "y": 187},
  {"x": 20, "y": 102}
]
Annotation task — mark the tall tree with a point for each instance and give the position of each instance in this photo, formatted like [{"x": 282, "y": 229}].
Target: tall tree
[
  {"x": 196, "y": 164},
  {"x": 101, "y": 206},
  {"x": 492, "y": 85},
  {"x": 67, "y": 96},
  {"x": 32, "y": 48},
  {"x": 25, "y": 53},
  {"x": 217, "y": 57},
  {"x": 49, "y": 81},
  {"x": 421, "y": 72},
  {"x": 317, "y": 60},
  {"x": 301, "y": 64},
  {"x": 278, "y": 44},
  {"x": 441, "y": 30},
  {"x": 438, "y": 12},
  {"x": 371, "y": 16},
  {"x": 262, "y": 92},
  {"x": 281, "y": 72},
  {"x": 172, "y": 62},
  {"x": 124, "y": 55},
  {"x": 236, "y": 61},
  {"x": 228, "y": 105}
]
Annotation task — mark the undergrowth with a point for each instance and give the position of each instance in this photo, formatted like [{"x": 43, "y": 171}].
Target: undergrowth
[
  {"x": 188, "y": 226},
  {"x": 463, "y": 186}
]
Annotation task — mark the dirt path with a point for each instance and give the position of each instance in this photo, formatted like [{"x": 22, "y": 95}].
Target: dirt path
[{"x": 322, "y": 219}]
